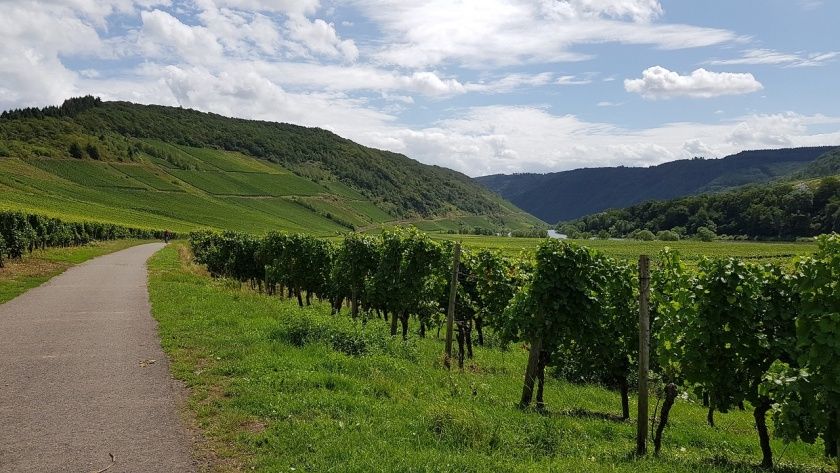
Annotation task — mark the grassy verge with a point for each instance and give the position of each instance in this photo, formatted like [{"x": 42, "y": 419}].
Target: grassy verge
[
  {"x": 278, "y": 388},
  {"x": 39, "y": 267}
]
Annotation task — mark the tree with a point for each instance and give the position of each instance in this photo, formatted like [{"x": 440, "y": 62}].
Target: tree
[
  {"x": 704, "y": 234},
  {"x": 93, "y": 151},
  {"x": 76, "y": 151}
]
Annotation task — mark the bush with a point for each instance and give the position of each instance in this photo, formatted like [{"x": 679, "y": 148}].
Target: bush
[
  {"x": 93, "y": 151},
  {"x": 704, "y": 234},
  {"x": 643, "y": 235},
  {"x": 667, "y": 235},
  {"x": 76, "y": 151}
]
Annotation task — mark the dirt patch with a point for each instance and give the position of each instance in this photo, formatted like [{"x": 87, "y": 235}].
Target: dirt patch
[
  {"x": 253, "y": 426},
  {"x": 30, "y": 267}
]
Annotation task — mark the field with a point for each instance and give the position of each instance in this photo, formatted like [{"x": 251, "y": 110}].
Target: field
[
  {"x": 18, "y": 277},
  {"x": 631, "y": 249},
  {"x": 195, "y": 188},
  {"x": 348, "y": 398}
]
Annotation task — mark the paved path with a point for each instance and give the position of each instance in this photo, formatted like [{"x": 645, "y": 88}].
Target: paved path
[{"x": 76, "y": 383}]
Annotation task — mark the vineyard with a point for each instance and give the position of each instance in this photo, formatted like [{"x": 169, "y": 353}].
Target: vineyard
[
  {"x": 726, "y": 333},
  {"x": 22, "y": 233}
]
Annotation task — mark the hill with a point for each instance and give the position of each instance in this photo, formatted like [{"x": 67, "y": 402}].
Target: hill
[
  {"x": 165, "y": 167},
  {"x": 567, "y": 195},
  {"x": 780, "y": 210}
]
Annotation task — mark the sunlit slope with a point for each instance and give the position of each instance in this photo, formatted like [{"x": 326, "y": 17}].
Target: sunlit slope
[
  {"x": 154, "y": 166},
  {"x": 217, "y": 189}
]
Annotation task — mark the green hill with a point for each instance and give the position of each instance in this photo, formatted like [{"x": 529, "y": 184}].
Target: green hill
[
  {"x": 567, "y": 195},
  {"x": 780, "y": 210},
  {"x": 165, "y": 167}
]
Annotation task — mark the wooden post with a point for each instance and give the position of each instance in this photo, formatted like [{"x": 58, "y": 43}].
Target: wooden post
[
  {"x": 644, "y": 355},
  {"x": 450, "y": 313}
]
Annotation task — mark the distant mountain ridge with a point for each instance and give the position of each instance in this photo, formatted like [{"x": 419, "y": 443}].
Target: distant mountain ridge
[{"x": 567, "y": 195}]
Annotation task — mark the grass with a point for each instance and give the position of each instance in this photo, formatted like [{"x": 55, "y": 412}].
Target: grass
[
  {"x": 39, "y": 267},
  {"x": 631, "y": 249},
  {"x": 275, "y": 387}
]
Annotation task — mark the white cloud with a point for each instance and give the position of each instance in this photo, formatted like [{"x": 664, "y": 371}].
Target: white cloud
[
  {"x": 493, "y": 139},
  {"x": 485, "y": 33},
  {"x": 165, "y": 35},
  {"x": 773, "y": 57},
  {"x": 607, "y": 103},
  {"x": 697, "y": 148},
  {"x": 293, "y": 7},
  {"x": 320, "y": 37},
  {"x": 571, "y": 80},
  {"x": 635, "y": 10},
  {"x": 658, "y": 83}
]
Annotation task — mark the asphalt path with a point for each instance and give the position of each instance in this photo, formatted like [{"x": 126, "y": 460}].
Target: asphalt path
[{"x": 84, "y": 384}]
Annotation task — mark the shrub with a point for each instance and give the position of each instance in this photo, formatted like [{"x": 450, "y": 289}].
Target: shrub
[
  {"x": 704, "y": 234},
  {"x": 643, "y": 235},
  {"x": 667, "y": 235},
  {"x": 76, "y": 151}
]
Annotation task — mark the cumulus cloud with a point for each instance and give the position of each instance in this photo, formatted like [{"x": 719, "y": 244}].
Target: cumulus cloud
[
  {"x": 660, "y": 83},
  {"x": 163, "y": 34},
  {"x": 487, "y": 140},
  {"x": 320, "y": 37}
]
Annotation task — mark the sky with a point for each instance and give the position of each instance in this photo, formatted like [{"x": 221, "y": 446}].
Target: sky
[{"x": 480, "y": 86}]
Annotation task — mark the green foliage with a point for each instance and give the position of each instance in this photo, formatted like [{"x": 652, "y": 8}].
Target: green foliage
[
  {"x": 667, "y": 235},
  {"x": 704, "y": 234},
  {"x": 808, "y": 386},
  {"x": 398, "y": 185},
  {"x": 278, "y": 405},
  {"x": 562, "y": 196},
  {"x": 784, "y": 211},
  {"x": 642, "y": 235},
  {"x": 21, "y": 233},
  {"x": 218, "y": 161},
  {"x": 76, "y": 151}
]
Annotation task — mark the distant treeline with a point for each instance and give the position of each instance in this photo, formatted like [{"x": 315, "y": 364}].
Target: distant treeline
[
  {"x": 783, "y": 211},
  {"x": 21, "y": 233},
  {"x": 70, "y": 108}
]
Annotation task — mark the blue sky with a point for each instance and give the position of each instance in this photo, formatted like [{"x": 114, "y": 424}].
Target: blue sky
[{"x": 481, "y": 86}]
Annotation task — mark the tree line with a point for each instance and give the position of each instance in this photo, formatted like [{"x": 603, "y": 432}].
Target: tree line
[
  {"x": 781, "y": 211},
  {"x": 22, "y": 233},
  {"x": 725, "y": 333}
]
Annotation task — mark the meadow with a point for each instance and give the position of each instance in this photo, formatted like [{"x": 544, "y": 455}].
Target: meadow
[
  {"x": 690, "y": 250},
  {"x": 277, "y": 387}
]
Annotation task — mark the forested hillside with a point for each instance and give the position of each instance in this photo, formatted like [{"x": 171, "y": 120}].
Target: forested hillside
[
  {"x": 784, "y": 210},
  {"x": 567, "y": 195},
  {"x": 167, "y": 167}
]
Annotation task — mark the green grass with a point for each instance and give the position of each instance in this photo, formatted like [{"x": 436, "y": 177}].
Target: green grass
[
  {"x": 87, "y": 173},
  {"x": 40, "y": 266},
  {"x": 221, "y": 190},
  {"x": 631, "y": 249},
  {"x": 156, "y": 179},
  {"x": 273, "y": 388},
  {"x": 227, "y": 161}
]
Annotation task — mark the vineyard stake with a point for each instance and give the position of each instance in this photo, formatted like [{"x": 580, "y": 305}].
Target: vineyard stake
[
  {"x": 644, "y": 355},
  {"x": 450, "y": 313}
]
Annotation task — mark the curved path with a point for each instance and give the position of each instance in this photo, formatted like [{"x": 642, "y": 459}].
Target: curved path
[{"x": 77, "y": 380}]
